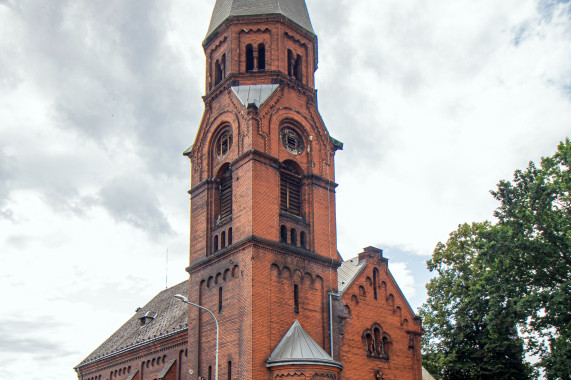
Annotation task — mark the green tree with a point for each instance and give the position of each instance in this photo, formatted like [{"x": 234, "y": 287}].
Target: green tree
[
  {"x": 495, "y": 280},
  {"x": 530, "y": 255},
  {"x": 470, "y": 332}
]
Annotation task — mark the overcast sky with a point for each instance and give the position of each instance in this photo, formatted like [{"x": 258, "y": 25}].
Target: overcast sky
[{"x": 435, "y": 101}]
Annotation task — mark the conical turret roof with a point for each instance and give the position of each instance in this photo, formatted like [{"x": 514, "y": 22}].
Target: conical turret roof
[
  {"x": 295, "y": 10},
  {"x": 297, "y": 347}
]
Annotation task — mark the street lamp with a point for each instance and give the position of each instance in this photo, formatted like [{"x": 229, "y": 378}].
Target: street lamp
[{"x": 185, "y": 300}]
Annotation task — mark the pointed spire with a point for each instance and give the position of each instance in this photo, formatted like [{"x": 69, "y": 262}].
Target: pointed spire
[
  {"x": 295, "y": 10},
  {"x": 297, "y": 347}
]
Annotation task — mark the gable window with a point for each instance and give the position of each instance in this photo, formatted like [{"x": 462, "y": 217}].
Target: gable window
[
  {"x": 377, "y": 343},
  {"x": 290, "y": 191}
]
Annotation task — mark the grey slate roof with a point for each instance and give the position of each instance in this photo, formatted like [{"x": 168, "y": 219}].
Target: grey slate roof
[
  {"x": 297, "y": 347},
  {"x": 255, "y": 94},
  {"x": 295, "y": 10},
  {"x": 171, "y": 317},
  {"x": 347, "y": 272}
]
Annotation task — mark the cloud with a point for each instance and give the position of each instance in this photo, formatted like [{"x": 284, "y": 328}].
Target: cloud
[
  {"x": 131, "y": 199},
  {"x": 18, "y": 337}
]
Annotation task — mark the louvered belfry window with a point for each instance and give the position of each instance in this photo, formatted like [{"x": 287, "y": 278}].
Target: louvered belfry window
[
  {"x": 290, "y": 190},
  {"x": 226, "y": 194}
]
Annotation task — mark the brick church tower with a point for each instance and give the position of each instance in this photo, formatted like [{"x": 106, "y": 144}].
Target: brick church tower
[
  {"x": 263, "y": 238},
  {"x": 263, "y": 249}
]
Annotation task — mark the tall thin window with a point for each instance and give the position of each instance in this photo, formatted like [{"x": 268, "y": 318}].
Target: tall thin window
[
  {"x": 290, "y": 189},
  {"x": 283, "y": 234},
  {"x": 297, "y": 68},
  {"x": 226, "y": 194},
  {"x": 223, "y": 240},
  {"x": 293, "y": 236},
  {"x": 229, "y": 370},
  {"x": 290, "y": 63},
  {"x": 375, "y": 279},
  {"x": 215, "y": 243},
  {"x": 249, "y": 57},
  {"x": 209, "y": 372},
  {"x": 230, "y": 236},
  {"x": 261, "y": 57},
  {"x": 217, "y": 72},
  {"x": 302, "y": 242},
  {"x": 220, "y": 299},
  {"x": 296, "y": 298}
]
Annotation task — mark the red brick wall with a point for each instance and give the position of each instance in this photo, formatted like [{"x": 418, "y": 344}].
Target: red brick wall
[
  {"x": 391, "y": 311},
  {"x": 149, "y": 360}
]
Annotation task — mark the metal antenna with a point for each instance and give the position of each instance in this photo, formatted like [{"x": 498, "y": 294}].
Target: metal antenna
[{"x": 167, "y": 271}]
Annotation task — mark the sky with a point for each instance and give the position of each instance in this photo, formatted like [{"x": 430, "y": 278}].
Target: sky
[{"x": 436, "y": 102}]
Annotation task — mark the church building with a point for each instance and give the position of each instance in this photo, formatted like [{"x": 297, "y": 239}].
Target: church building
[{"x": 263, "y": 248}]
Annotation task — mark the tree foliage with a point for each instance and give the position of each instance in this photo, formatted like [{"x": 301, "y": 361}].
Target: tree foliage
[{"x": 503, "y": 290}]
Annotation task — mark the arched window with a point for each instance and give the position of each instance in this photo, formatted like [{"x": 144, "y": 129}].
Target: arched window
[
  {"x": 290, "y": 189},
  {"x": 229, "y": 370},
  {"x": 296, "y": 298},
  {"x": 226, "y": 193},
  {"x": 249, "y": 58},
  {"x": 283, "y": 234},
  {"x": 215, "y": 243},
  {"x": 378, "y": 341},
  {"x": 302, "y": 241},
  {"x": 261, "y": 57},
  {"x": 217, "y": 72},
  {"x": 369, "y": 344},
  {"x": 223, "y": 239},
  {"x": 230, "y": 236},
  {"x": 290, "y": 63},
  {"x": 385, "y": 348},
  {"x": 293, "y": 239},
  {"x": 297, "y": 68},
  {"x": 375, "y": 280},
  {"x": 209, "y": 372}
]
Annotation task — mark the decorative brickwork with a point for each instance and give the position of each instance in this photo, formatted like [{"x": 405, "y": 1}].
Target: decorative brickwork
[{"x": 263, "y": 249}]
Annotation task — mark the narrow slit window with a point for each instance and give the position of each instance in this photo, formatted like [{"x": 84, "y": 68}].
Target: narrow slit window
[
  {"x": 283, "y": 234},
  {"x": 223, "y": 240},
  {"x": 375, "y": 279},
  {"x": 209, "y": 372},
  {"x": 302, "y": 241},
  {"x": 217, "y": 72},
  {"x": 230, "y": 236},
  {"x": 261, "y": 57},
  {"x": 297, "y": 68},
  {"x": 290, "y": 63},
  {"x": 293, "y": 236},
  {"x": 229, "y": 370},
  {"x": 220, "y": 299},
  {"x": 296, "y": 299},
  {"x": 215, "y": 243},
  {"x": 249, "y": 57}
]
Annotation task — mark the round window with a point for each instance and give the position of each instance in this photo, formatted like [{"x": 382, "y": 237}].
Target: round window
[
  {"x": 223, "y": 144},
  {"x": 291, "y": 140}
]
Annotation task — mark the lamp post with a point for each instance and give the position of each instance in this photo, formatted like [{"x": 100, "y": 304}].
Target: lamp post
[{"x": 185, "y": 300}]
